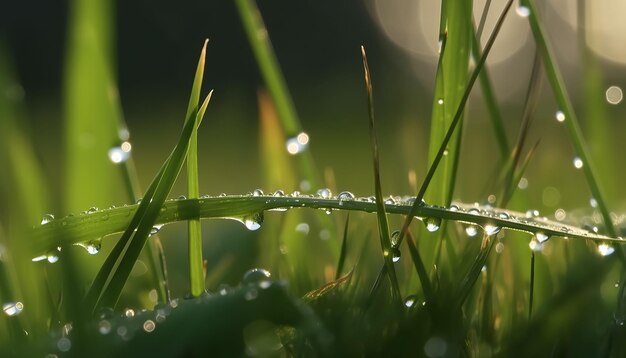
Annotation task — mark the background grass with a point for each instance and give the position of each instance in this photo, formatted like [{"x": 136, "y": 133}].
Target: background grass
[{"x": 475, "y": 301}]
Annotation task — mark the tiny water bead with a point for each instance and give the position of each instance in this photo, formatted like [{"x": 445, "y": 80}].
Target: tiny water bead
[
  {"x": 13, "y": 308},
  {"x": 92, "y": 246},
  {"x": 471, "y": 230},
  {"x": 390, "y": 201},
  {"x": 149, "y": 326},
  {"x": 120, "y": 154},
  {"x": 614, "y": 95},
  {"x": 535, "y": 245},
  {"x": 253, "y": 222},
  {"x": 440, "y": 101},
  {"x": 345, "y": 196},
  {"x": 522, "y": 11},
  {"x": 395, "y": 254},
  {"x": 491, "y": 229},
  {"x": 605, "y": 249},
  {"x": 395, "y": 238},
  {"x": 46, "y": 218},
  {"x": 410, "y": 301},
  {"x": 297, "y": 144},
  {"x": 255, "y": 276},
  {"x": 324, "y": 193},
  {"x": 560, "y": 116},
  {"x": 541, "y": 237},
  {"x": 303, "y": 228},
  {"x": 578, "y": 163},
  {"x": 432, "y": 224},
  {"x": 257, "y": 192},
  {"x": 278, "y": 194}
]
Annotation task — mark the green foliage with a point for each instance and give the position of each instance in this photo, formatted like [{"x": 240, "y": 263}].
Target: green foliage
[{"x": 472, "y": 285}]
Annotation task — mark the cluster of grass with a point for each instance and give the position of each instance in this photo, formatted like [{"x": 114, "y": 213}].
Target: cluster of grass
[{"x": 466, "y": 280}]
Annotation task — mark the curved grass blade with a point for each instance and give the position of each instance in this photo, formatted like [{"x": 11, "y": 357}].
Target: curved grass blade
[
  {"x": 74, "y": 229},
  {"x": 113, "y": 275},
  {"x": 344, "y": 249},
  {"x": 571, "y": 121},
  {"x": 196, "y": 276},
  {"x": 383, "y": 225}
]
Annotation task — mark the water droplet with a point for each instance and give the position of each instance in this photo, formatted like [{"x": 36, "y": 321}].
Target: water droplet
[
  {"x": 53, "y": 255},
  {"x": 432, "y": 223},
  {"x": 560, "y": 214},
  {"x": 129, "y": 312},
  {"x": 255, "y": 276},
  {"x": 120, "y": 154},
  {"x": 499, "y": 247},
  {"x": 504, "y": 216},
  {"x": 491, "y": 229},
  {"x": 104, "y": 327},
  {"x": 541, "y": 237},
  {"x": 454, "y": 207},
  {"x": 395, "y": 254},
  {"x": 390, "y": 201},
  {"x": 593, "y": 203},
  {"x": 155, "y": 230},
  {"x": 471, "y": 230},
  {"x": 474, "y": 211},
  {"x": 252, "y": 222},
  {"x": 257, "y": 192},
  {"x": 324, "y": 193},
  {"x": 149, "y": 326},
  {"x": 560, "y": 116},
  {"x": 578, "y": 163},
  {"x": 522, "y": 11},
  {"x": 410, "y": 301},
  {"x": 605, "y": 249},
  {"x": 297, "y": 144},
  {"x": 535, "y": 245},
  {"x": 532, "y": 214},
  {"x": 614, "y": 95},
  {"x": 278, "y": 193},
  {"x": 440, "y": 101},
  {"x": 523, "y": 184},
  {"x": 46, "y": 218},
  {"x": 345, "y": 196},
  {"x": 92, "y": 246},
  {"x": 395, "y": 238},
  {"x": 303, "y": 228},
  {"x": 13, "y": 308}
]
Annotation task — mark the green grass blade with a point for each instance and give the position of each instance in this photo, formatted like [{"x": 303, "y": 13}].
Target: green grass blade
[
  {"x": 571, "y": 121},
  {"x": 381, "y": 213},
  {"x": 91, "y": 108},
  {"x": 455, "y": 121},
  {"x": 196, "y": 276},
  {"x": 112, "y": 292}
]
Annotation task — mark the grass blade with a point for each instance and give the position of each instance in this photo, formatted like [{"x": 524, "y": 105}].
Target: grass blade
[
  {"x": 571, "y": 121},
  {"x": 381, "y": 213},
  {"x": 196, "y": 276},
  {"x": 344, "y": 249}
]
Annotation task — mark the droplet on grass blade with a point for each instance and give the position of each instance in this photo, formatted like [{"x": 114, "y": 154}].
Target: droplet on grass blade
[
  {"x": 13, "y": 308},
  {"x": 395, "y": 254},
  {"x": 605, "y": 249},
  {"x": 46, "y": 218},
  {"x": 432, "y": 224},
  {"x": 255, "y": 276}
]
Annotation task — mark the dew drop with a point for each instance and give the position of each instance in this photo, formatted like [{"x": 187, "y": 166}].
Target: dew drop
[
  {"x": 535, "y": 245},
  {"x": 614, "y": 95},
  {"x": 491, "y": 229},
  {"x": 155, "y": 230},
  {"x": 13, "y": 308},
  {"x": 297, "y": 144},
  {"x": 522, "y": 11},
  {"x": 92, "y": 246},
  {"x": 593, "y": 203},
  {"x": 474, "y": 211},
  {"x": 440, "y": 101},
  {"x": 253, "y": 222},
  {"x": 395, "y": 238},
  {"x": 257, "y": 192},
  {"x": 149, "y": 325},
  {"x": 605, "y": 249},
  {"x": 46, "y": 218},
  {"x": 532, "y": 214},
  {"x": 395, "y": 254},
  {"x": 504, "y": 216},
  {"x": 92, "y": 210},
  {"x": 471, "y": 230},
  {"x": 560, "y": 116},
  {"x": 454, "y": 207},
  {"x": 104, "y": 327},
  {"x": 303, "y": 228},
  {"x": 541, "y": 237},
  {"x": 278, "y": 193},
  {"x": 432, "y": 224},
  {"x": 345, "y": 196},
  {"x": 499, "y": 247},
  {"x": 255, "y": 276},
  {"x": 324, "y": 193},
  {"x": 578, "y": 163},
  {"x": 410, "y": 301},
  {"x": 120, "y": 154},
  {"x": 53, "y": 255},
  {"x": 129, "y": 312}
]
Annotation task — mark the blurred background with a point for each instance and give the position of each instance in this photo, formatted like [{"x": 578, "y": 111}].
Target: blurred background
[{"x": 155, "y": 48}]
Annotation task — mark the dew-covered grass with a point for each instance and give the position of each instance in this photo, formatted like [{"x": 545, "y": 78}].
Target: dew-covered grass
[{"x": 340, "y": 245}]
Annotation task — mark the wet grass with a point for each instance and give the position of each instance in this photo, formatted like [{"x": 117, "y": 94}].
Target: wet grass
[{"x": 480, "y": 279}]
